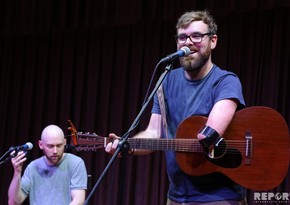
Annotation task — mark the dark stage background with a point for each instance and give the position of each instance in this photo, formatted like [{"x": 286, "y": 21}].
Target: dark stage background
[{"x": 91, "y": 61}]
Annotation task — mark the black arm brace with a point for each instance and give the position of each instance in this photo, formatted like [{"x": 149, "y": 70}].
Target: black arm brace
[{"x": 211, "y": 136}]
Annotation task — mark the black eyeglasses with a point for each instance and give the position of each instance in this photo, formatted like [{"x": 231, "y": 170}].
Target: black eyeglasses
[{"x": 194, "y": 37}]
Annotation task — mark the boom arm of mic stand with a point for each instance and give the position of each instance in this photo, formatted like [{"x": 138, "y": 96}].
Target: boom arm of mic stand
[
  {"x": 8, "y": 152},
  {"x": 123, "y": 140}
]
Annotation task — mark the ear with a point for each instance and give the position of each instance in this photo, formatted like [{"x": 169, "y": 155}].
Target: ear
[
  {"x": 213, "y": 41},
  {"x": 40, "y": 144},
  {"x": 64, "y": 141}
]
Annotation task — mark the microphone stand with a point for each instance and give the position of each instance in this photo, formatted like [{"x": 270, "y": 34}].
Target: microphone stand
[
  {"x": 124, "y": 146},
  {"x": 9, "y": 157}
]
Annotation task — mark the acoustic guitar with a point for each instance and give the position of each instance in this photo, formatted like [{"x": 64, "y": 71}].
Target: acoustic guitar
[{"x": 255, "y": 152}]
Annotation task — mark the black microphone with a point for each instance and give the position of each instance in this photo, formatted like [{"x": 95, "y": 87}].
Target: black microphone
[
  {"x": 25, "y": 147},
  {"x": 184, "y": 51}
]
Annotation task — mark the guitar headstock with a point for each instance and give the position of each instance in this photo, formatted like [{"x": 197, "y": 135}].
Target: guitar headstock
[
  {"x": 85, "y": 141},
  {"x": 73, "y": 134}
]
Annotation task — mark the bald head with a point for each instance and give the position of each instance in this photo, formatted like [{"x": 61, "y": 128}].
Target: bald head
[{"x": 52, "y": 132}]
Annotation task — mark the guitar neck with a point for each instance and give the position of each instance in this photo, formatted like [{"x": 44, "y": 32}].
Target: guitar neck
[
  {"x": 91, "y": 142},
  {"x": 180, "y": 145}
]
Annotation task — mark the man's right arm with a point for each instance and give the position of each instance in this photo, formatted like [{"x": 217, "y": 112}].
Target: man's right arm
[{"x": 15, "y": 195}]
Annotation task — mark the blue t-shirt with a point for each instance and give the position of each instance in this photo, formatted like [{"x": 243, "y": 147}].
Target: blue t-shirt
[{"x": 184, "y": 98}]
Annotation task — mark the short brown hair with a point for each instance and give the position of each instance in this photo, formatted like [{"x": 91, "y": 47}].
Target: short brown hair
[{"x": 190, "y": 16}]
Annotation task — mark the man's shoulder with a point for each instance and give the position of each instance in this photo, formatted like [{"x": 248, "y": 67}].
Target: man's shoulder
[
  {"x": 73, "y": 157},
  {"x": 175, "y": 74},
  {"x": 223, "y": 72},
  {"x": 36, "y": 163},
  {"x": 37, "y": 160}
]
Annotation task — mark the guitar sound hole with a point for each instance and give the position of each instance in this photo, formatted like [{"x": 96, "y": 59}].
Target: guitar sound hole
[
  {"x": 218, "y": 150},
  {"x": 232, "y": 158}
]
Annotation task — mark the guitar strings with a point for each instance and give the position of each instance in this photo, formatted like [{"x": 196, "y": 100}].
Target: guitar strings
[{"x": 93, "y": 142}]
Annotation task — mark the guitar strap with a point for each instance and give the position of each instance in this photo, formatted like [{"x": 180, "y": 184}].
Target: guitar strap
[{"x": 160, "y": 95}]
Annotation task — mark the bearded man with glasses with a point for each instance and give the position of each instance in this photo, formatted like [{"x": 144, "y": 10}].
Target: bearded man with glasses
[{"x": 198, "y": 87}]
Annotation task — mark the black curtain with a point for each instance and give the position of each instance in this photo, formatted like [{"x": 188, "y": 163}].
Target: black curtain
[{"x": 92, "y": 61}]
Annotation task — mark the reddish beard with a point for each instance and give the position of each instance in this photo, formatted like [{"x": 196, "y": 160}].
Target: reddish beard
[{"x": 195, "y": 63}]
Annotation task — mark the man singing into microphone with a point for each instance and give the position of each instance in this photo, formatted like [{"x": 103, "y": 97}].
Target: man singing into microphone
[
  {"x": 55, "y": 178},
  {"x": 198, "y": 87}
]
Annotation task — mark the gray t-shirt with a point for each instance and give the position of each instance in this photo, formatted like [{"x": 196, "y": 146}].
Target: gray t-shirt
[{"x": 52, "y": 184}]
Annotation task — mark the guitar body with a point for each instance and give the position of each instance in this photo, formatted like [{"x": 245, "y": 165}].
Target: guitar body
[{"x": 261, "y": 164}]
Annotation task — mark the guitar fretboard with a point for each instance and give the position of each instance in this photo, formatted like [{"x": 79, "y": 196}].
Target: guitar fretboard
[{"x": 181, "y": 145}]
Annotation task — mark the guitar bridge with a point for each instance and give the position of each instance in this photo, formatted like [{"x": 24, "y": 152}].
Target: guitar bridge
[{"x": 249, "y": 148}]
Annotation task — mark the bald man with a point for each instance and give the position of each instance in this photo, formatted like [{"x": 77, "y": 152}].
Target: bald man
[{"x": 55, "y": 178}]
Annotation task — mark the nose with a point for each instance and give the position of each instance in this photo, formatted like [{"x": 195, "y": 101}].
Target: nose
[
  {"x": 55, "y": 149},
  {"x": 188, "y": 41}
]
